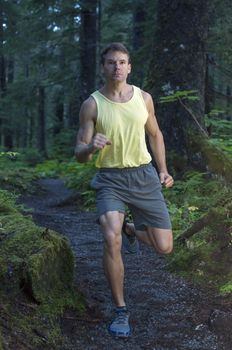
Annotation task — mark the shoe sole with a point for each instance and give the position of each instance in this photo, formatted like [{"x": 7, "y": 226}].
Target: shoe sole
[{"x": 119, "y": 334}]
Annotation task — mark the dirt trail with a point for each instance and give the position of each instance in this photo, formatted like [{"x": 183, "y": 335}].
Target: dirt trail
[{"x": 167, "y": 313}]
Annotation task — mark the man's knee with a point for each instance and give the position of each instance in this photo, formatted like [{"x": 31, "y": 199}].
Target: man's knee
[
  {"x": 165, "y": 249},
  {"x": 112, "y": 243}
]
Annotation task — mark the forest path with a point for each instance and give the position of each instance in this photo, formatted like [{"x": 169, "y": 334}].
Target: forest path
[{"x": 167, "y": 313}]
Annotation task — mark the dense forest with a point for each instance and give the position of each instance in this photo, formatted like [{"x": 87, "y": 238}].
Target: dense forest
[
  {"x": 49, "y": 53},
  {"x": 49, "y": 64}
]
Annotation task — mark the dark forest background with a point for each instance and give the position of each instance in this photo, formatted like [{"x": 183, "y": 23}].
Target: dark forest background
[{"x": 49, "y": 63}]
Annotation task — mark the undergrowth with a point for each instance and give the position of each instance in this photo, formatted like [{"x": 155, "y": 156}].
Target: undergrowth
[
  {"x": 15, "y": 173},
  {"x": 206, "y": 256},
  {"x": 33, "y": 297},
  {"x": 220, "y": 133},
  {"x": 76, "y": 175}
]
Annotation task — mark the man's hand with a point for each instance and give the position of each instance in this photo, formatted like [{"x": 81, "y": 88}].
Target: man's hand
[
  {"x": 99, "y": 141},
  {"x": 166, "y": 179}
]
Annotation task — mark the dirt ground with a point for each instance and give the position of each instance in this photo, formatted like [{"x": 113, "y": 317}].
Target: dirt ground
[{"x": 167, "y": 312}]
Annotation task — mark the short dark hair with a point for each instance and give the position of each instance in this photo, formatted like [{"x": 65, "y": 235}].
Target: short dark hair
[{"x": 116, "y": 46}]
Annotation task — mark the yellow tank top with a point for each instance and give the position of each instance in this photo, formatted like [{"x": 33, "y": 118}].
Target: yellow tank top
[{"x": 123, "y": 124}]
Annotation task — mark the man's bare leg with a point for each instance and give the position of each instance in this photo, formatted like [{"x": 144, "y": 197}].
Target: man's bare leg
[
  {"x": 160, "y": 239},
  {"x": 111, "y": 223}
]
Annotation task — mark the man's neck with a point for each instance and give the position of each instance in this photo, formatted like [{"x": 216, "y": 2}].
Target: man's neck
[
  {"x": 122, "y": 92},
  {"x": 115, "y": 88}
]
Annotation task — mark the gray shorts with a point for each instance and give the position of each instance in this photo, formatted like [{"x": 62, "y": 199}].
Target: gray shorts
[{"x": 138, "y": 188}]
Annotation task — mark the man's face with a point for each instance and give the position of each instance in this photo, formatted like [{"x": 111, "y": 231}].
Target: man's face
[{"x": 116, "y": 66}]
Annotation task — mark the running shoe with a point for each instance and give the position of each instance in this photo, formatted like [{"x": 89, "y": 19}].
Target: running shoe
[
  {"x": 120, "y": 327},
  {"x": 129, "y": 241}
]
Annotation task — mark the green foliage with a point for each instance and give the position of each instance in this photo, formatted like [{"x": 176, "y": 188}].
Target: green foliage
[
  {"x": 51, "y": 168},
  {"x": 186, "y": 200},
  {"x": 226, "y": 288},
  {"x": 188, "y": 95},
  {"x": 9, "y": 155},
  {"x": 76, "y": 175},
  {"x": 63, "y": 142},
  {"x": 221, "y": 131},
  {"x": 220, "y": 126},
  {"x": 15, "y": 175},
  {"x": 116, "y": 21},
  {"x": 79, "y": 176},
  {"x": 214, "y": 113},
  {"x": 31, "y": 156},
  {"x": 207, "y": 252}
]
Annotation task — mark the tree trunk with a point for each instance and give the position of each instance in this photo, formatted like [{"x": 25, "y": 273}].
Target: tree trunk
[
  {"x": 8, "y": 127},
  {"x": 179, "y": 63},
  {"x": 98, "y": 82},
  {"x": 2, "y": 58},
  {"x": 88, "y": 39},
  {"x": 2, "y": 72},
  {"x": 228, "y": 102},
  {"x": 138, "y": 41},
  {"x": 41, "y": 127},
  {"x": 10, "y": 73},
  {"x": 25, "y": 129},
  {"x": 2, "y": 75},
  {"x": 58, "y": 101}
]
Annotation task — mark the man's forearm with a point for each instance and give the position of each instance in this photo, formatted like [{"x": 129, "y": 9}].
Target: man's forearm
[
  {"x": 158, "y": 151},
  {"x": 83, "y": 152}
]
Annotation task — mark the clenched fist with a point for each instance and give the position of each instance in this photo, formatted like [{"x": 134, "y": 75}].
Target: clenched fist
[{"x": 99, "y": 141}]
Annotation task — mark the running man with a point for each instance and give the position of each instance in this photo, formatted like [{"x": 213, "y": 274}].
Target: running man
[{"x": 113, "y": 122}]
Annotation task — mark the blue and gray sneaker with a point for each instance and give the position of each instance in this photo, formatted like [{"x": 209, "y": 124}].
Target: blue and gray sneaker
[
  {"x": 120, "y": 327},
  {"x": 129, "y": 241}
]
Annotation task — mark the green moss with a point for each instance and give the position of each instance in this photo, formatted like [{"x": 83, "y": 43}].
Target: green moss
[
  {"x": 52, "y": 266},
  {"x": 35, "y": 256},
  {"x": 37, "y": 264}
]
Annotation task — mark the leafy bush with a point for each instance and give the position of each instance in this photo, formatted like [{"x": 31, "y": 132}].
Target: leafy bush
[
  {"x": 79, "y": 176},
  {"x": 207, "y": 252},
  {"x": 63, "y": 144},
  {"x": 76, "y": 175},
  {"x": 221, "y": 131},
  {"x": 15, "y": 175},
  {"x": 51, "y": 168},
  {"x": 31, "y": 156}
]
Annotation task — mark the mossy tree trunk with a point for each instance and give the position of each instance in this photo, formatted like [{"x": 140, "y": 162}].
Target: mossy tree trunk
[{"x": 179, "y": 63}]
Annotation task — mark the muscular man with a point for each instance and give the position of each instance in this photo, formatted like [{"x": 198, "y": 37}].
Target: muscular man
[{"x": 113, "y": 122}]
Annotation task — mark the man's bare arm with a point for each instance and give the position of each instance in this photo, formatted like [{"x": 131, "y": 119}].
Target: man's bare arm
[
  {"x": 88, "y": 143},
  {"x": 156, "y": 142}
]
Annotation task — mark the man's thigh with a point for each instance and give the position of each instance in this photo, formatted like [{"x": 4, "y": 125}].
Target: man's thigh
[
  {"x": 112, "y": 221},
  {"x": 161, "y": 238}
]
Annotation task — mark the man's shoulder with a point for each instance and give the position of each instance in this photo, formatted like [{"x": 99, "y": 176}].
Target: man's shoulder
[
  {"x": 89, "y": 107},
  {"x": 89, "y": 102},
  {"x": 147, "y": 97}
]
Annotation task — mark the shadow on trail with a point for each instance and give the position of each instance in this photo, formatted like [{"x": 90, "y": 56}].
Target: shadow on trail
[{"x": 167, "y": 313}]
